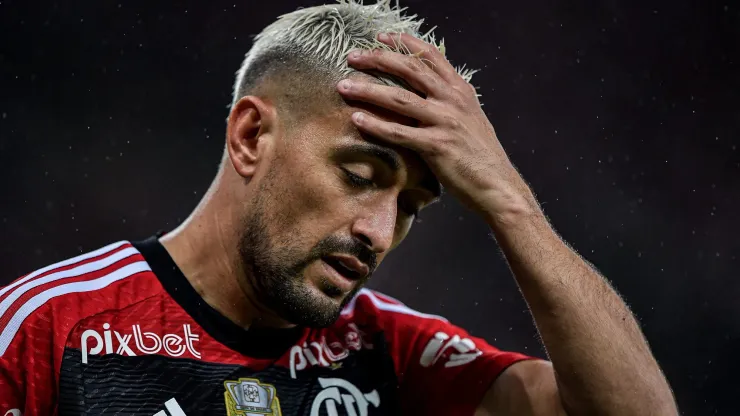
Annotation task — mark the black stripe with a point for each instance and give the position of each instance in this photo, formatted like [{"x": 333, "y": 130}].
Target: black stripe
[{"x": 257, "y": 343}]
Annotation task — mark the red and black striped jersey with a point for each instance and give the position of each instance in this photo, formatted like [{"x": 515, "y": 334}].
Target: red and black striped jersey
[{"x": 120, "y": 331}]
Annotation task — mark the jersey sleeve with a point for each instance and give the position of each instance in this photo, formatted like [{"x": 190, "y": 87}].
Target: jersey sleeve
[
  {"x": 441, "y": 368},
  {"x": 11, "y": 389},
  {"x": 27, "y": 378},
  {"x": 39, "y": 311}
]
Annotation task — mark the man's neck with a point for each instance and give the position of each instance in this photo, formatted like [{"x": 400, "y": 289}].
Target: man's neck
[{"x": 204, "y": 248}]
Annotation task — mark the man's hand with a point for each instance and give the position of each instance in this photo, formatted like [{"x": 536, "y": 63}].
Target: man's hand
[
  {"x": 454, "y": 136},
  {"x": 600, "y": 359}
]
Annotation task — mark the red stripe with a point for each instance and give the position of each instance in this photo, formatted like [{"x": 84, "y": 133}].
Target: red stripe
[
  {"x": 25, "y": 297},
  {"x": 62, "y": 268}
]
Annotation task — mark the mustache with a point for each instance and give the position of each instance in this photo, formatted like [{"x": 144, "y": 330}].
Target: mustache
[{"x": 350, "y": 246}]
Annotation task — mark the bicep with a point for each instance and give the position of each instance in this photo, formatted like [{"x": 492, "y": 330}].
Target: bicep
[{"x": 526, "y": 388}]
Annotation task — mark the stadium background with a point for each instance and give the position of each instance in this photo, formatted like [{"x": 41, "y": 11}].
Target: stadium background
[{"x": 624, "y": 118}]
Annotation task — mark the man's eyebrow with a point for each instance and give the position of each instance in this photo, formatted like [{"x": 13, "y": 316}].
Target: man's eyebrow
[{"x": 393, "y": 160}]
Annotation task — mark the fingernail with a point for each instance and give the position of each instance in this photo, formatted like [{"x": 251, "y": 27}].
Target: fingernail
[
  {"x": 345, "y": 84},
  {"x": 383, "y": 37},
  {"x": 355, "y": 54},
  {"x": 358, "y": 117}
]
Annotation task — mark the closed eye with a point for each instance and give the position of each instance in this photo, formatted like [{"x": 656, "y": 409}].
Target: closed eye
[{"x": 356, "y": 180}]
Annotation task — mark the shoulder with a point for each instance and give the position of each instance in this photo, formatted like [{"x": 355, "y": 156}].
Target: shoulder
[
  {"x": 375, "y": 312},
  {"x": 47, "y": 303},
  {"x": 373, "y": 307},
  {"x": 432, "y": 339}
]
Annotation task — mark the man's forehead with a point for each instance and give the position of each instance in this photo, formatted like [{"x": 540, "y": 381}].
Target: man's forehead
[{"x": 415, "y": 165}]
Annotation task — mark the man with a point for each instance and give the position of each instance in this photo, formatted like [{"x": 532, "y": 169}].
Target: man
[{"x": 344, "y": 119}]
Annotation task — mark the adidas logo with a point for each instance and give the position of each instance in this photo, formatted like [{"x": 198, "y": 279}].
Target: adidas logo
[{"x": 173, "y": 409}]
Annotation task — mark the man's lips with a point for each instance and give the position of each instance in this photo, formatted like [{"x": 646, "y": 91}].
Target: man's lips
[
  {"x": 348, "y": 266},
  {"x": 338, "y": 276}
]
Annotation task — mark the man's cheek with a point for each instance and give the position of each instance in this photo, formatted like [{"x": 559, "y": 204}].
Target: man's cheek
[{"x": 315, "y": 198}]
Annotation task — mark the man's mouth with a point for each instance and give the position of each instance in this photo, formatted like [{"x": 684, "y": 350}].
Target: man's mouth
[{"x": 345, "y": 268}]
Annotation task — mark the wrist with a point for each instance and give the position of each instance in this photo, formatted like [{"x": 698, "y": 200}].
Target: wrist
[
  {"x": 512, "y": 208},
  {"x": 514, "y": 216}
]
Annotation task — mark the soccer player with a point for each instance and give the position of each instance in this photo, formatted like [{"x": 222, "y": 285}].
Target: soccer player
[{"x": 345, "y": 122}]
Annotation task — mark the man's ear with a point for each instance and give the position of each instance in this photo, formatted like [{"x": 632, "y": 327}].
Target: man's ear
[{"x": 250, "y": 122}]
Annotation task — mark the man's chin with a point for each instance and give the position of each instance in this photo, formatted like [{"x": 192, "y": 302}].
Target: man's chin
[
  {"x": 331, "y": 297},
  {"x": 310, "y": 306},
  {"x": 337, "y": 296}
]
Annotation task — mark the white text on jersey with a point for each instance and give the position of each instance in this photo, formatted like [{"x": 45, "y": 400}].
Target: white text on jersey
[
  {"x": 144, "y": 342},
  {"x": 324, "y": 354},
  {"x": 462, "y": 351}
]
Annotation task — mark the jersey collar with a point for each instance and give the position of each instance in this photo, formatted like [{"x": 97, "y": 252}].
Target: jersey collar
[{"x": 256, "y": 342}]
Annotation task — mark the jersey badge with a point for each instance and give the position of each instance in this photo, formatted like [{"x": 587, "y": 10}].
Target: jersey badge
[{"x": 248, "y": 396}]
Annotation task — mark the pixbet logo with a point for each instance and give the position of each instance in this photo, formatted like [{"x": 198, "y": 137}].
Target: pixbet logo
[
  {"x": 143, "y": 342},
  {"x": 324, "y": 354}
]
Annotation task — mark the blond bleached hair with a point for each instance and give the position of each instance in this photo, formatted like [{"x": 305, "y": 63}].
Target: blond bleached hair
[{"x": 314, "y": 43}]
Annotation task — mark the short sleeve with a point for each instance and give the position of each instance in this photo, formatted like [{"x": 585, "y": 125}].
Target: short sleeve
[
  {"x": 441, "y": 368},
  {"x": 27, "y": 381},
  {"x": 11, "y": 389}
]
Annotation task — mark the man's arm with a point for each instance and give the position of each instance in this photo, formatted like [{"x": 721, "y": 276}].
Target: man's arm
[
  {"x": 601, "y": 358},
  {"x": 526, "y": 388}
]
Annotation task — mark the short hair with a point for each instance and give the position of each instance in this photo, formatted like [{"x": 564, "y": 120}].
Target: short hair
[{"x": 305, "y": 51}]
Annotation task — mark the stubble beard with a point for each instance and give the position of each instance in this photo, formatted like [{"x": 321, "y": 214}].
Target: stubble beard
[{"x": 276, "y": 273}]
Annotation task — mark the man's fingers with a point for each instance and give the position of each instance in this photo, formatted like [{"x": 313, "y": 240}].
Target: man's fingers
[
  {"x": 422, "y": 50},
  {"x": 409, "y": 137},
  {"x": 395, "y": 99},
  {"x": 417, "y": 74}
]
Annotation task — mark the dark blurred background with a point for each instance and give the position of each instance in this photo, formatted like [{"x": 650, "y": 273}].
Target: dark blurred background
[{"x": 623, "y": 117}]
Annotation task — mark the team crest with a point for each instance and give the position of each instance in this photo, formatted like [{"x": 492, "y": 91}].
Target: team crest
[{"x": 248, "y": 397}]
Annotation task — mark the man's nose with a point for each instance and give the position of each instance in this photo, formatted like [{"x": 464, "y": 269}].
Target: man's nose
[{"x": 377, "y": 226}]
